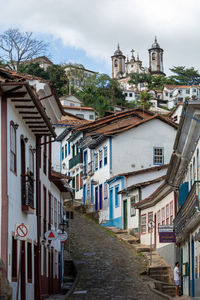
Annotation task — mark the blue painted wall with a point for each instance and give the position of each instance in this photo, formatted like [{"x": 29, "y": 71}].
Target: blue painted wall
[{"x": 114, "y": 223}]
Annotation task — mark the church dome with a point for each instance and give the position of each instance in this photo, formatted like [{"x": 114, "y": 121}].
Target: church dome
[
  {"x": 118, "y": 51},
  {"x": 155, "y": 44}
]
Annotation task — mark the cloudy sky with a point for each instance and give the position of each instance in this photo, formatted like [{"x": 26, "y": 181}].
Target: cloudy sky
[{"x": 87, "y": 31}]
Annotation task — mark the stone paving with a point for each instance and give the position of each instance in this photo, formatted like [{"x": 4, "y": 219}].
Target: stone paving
[{"x": 109, "y": 268}]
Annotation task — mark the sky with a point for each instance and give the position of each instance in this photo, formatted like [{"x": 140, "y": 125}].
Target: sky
[{"x": 88, "y": 31}]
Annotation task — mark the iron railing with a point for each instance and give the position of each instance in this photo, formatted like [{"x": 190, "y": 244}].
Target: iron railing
[
  {"x": 27, "y": 188},
  {"x": 75, "y": 160}
]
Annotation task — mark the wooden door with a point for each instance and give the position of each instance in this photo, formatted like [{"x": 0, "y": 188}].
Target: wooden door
[
  {"x": 23, "y": 271},
  {"x": 96, "y": 198},
  {"x": 36, "y": 274},
  {"x": 100, "y": 197},
  {"x": 125, "y": 213}
]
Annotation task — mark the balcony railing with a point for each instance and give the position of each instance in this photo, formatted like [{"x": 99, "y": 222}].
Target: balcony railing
[
  {"x": 75, "y": 160},
  {"x": 27, "y": 188},
  {"x": 186, "y": 215}
]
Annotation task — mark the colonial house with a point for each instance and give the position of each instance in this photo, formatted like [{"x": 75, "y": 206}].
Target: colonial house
[
  {"x": 105, "y": 159},
  {"x": 183, "y": 175},
  {"x": 174, "y": 94},
  {"x": 31, "y": 195}
]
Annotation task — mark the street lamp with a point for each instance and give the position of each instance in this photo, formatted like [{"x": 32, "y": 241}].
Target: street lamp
[{"x": 64, "y": 225}]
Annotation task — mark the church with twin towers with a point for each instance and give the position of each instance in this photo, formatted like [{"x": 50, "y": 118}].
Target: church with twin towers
[{"x": 122, "y": 66}]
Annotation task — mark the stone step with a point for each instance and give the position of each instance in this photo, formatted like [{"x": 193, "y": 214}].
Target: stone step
[
  {"x": 161, "y": 277},
  {"x": 169, "y": 290},
  {"x": 142, "y": 248},
  {"x": 159, "y": 270}
]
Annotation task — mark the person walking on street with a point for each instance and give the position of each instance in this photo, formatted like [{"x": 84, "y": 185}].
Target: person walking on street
[{"x": 177, "y": 278}]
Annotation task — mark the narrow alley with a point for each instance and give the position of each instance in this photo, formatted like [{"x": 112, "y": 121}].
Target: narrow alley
[{"x": 109, "y": 269}]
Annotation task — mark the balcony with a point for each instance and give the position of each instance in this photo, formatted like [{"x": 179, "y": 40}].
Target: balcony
[
  {"x": 78, "y": 159},
  {"x": 189, "y": 214},
  {"x": 27, "y": 188}
]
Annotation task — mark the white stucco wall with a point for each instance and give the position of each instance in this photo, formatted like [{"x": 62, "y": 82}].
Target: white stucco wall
[{"x": 141, "y": 140}]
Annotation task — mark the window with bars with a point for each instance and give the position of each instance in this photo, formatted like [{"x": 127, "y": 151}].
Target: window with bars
[
  {"x": 143, "y": 224},
  {"x": 31, "y": 161},
  {"x": 158, "y": 155},
  {"x": 13, "y": 150}
]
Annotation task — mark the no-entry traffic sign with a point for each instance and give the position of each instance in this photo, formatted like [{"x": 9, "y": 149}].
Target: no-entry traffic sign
[
  {"x": 62, "y": 236},
  {"x": 21, "y": 231}
]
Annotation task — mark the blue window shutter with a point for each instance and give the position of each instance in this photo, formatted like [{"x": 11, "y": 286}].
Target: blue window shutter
[
  {"x": 68, "y": 147},
  {"x": 183, "y": 192}
]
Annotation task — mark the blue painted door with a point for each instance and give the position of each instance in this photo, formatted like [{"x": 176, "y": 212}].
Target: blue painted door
[
  {"x": 84, "y": 193},
  {"x": 111, "y": 204},
  {"x": 96, "y": 199},
  {"x": 100, "y": 197},
  {"x": 193, "y": 284}
]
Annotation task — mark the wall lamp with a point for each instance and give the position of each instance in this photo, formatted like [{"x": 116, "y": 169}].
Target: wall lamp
[
  {"x": 16, "y": 126},
  {"x": 26, "y": 140}
]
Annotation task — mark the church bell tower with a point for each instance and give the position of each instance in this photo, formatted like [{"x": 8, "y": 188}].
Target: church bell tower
[
  {"x": 156, "y": 59},
  {"x": 118, "y": 64}
]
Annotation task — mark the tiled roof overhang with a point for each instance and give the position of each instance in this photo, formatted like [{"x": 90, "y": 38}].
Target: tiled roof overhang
[{"x": 26, "y": 102}]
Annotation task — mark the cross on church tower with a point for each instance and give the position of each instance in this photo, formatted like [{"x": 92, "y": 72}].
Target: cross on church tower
[{"x": 132, "y": 51}]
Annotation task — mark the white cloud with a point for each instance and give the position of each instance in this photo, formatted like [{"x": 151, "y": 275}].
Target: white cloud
[{"x": 97, "y": 26}]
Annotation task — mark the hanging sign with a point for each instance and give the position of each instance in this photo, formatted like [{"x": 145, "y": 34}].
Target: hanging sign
[
  {"x": 21, "y": 231},
  {"x": 51, "y": 235}
]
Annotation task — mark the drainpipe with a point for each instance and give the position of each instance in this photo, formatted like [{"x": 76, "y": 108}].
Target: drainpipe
[{"x": 38, "y": 211}]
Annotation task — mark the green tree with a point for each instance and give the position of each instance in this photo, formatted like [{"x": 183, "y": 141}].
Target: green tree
[
  {"x": 144, "y": 100},
  {"x": 186, "y": 76},
  {"x": 55, "y": 74},
  {"x": 101, "y": 92}
]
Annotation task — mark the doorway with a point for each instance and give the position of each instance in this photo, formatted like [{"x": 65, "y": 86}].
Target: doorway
[
  {"x": 23, "y": 271},
  {"x": 96, "y": 199},
  {"x": 125, "y": 215},
  {"x": 111, "y": 204}
]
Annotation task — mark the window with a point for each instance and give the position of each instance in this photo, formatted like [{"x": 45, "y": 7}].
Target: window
[
  {"x": 125, "y": 94},
  {"x": 180, "y": 92},
  {"x": 77, "y": 182},
  {"x": 153, "y": 56},
  {"x": 91, "y": 117},
  {"x": 31, "y": 161},
  {"x": 62, "y": 153},
  {"x": 163, "y": 216},
  {"x": 96, "y": 161},
  {"x": 105, "y": 155},
  {"x": 158, "y": 157},
  {"x": 150, "y": 218},
  {"x": 100, "y": 159},
  {"x": 143, "y": 224},
  {"x": 14, "y": 259},
  {"x": 130, "y": 94},
  {"x": 194, "y": 90},
  {"x": 166, "y": 94},
  {"x": 170, "y": 95},
  {"x": 52, "y": 205},
  {"x": 167, "y": 214},
  {"x": 13, "y": 159},
  {"x": 65, "y": 150},
  {"x": 194, "y": 169},
  {"x": 29, "y": 260},
  {"x": 158, "y": 217},
  {"x": 116, "y": 196},
  {"x": 105, "y": 191},
  {"x": 59, "y": 212},
  {"x": 171, "y": 212},
  {"x": 132, "y": 208},
  {"x": 80, "y": 116},
  {"x": 187, "y": 91},
  {"x": 116, "y": 62}
]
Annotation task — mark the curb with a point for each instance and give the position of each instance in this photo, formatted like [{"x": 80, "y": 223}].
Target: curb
[{"x": 158, "y": 294}]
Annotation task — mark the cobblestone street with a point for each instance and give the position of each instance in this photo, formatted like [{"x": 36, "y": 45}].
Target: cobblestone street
[{"x": 109, "y": 268}]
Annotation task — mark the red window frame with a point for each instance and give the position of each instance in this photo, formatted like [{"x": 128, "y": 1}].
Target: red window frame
[{"x": 171, "y": 212}]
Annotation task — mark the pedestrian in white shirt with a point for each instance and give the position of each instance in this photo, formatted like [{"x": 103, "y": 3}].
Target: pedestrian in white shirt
[{"x": 177, "y": 278}]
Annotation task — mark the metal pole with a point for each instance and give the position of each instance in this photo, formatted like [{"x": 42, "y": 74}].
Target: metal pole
[{"x": 151, "y": 247}]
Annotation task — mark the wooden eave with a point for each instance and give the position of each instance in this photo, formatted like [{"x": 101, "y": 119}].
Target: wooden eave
[{"x": 27, "y": 104}]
